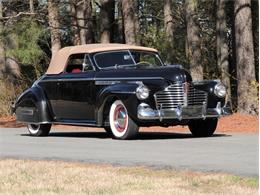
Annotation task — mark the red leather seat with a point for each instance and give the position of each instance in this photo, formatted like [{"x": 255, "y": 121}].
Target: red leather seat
[{"x": 76, "y": 70}]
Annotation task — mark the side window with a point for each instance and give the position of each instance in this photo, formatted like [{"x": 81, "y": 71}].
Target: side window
[
  {"x": 146, "y": 57},
  {"x": 78, "y": 63}
]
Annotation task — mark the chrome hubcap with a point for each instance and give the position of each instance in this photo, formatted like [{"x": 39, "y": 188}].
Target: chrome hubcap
[{"x": 34, "y": 127}]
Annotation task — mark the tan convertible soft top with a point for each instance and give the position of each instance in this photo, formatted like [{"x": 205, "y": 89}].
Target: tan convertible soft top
[{"x": 58, "y": 62}]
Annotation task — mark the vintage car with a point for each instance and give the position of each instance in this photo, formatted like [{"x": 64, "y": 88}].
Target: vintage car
[{"x": 120, "y": 88}]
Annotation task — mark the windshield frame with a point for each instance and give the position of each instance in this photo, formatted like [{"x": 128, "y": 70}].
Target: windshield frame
[{"x": 129, "y": 51}]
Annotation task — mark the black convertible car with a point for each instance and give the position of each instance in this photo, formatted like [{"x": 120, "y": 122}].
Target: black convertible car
[{"x": 120, "y": 88}]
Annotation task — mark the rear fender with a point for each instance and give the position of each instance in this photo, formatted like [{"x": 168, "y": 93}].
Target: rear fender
[{"x": 32, "y": 106}]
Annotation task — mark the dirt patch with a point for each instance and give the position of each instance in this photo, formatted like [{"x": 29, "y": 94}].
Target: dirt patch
[
  {"x": 10, "y": 122},
  {"x": 237, "y": 123}
]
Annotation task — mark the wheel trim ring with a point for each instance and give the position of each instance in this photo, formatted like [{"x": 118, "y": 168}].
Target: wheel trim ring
[
  {"x": 33, "y": 128},
  {"x": 119, "y": 126}
]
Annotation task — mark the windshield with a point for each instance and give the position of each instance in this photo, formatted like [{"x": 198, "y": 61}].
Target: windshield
[{"x": 129, "y": 59}]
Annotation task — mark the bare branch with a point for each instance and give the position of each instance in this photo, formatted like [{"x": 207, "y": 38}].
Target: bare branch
[{"x": 17, "y": 15}]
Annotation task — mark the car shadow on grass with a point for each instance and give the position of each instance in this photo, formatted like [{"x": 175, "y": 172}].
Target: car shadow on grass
[{"x": 140, "y": 136}]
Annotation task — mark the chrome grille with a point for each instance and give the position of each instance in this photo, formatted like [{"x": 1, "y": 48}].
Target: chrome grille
[
  {"x": 175, "y": 95},
  {"x": 196, "y": 97}
]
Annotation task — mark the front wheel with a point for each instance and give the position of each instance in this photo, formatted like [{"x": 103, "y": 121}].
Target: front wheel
[
  {"x": 39, "y": 129},
  {"x": 121, "y": 125},
  {"x": 203, "y": 128}
]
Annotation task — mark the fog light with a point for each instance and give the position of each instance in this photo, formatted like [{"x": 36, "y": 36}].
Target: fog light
[
  {"x": 142, "y": 92},
  {"x": 220, "y": 90}
]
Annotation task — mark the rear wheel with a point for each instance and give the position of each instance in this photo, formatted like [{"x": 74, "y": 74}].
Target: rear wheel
[
  {"x": 39, "y": 129},
  {"x": 121, "y": 125},
  {"x": 203, "y": 128}
]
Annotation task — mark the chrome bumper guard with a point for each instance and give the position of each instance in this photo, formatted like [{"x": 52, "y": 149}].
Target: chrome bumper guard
[
  {"x": 12, "y": 108},
  {"x": 189, "y": 112}
]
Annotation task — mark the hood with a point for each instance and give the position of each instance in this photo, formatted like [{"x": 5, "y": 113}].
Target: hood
[{"x": 170, "y": 74}]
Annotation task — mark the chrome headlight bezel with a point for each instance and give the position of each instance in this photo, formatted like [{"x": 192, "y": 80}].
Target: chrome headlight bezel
[
  {"x": 142, "y": 92},
  {"x": 220, "y": 90}
]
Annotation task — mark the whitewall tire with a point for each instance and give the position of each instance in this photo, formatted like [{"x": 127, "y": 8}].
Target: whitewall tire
[
  {"x": 39, "y": 129},
  {"x": 121, "y": 125}
]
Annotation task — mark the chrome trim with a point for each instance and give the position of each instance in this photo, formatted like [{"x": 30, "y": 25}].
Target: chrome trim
[
  {"x": 204, "y": 82},
  {"x": 137, "y": 79},
  {"x": 174, "y": 65},
  {"x": 138, "y": 93},
  {"x": 106, "y": 82},
  {"x": 27, "y": 111},
  {"x": 183, "y": 94},
  {"x": 68, "y": 79},
  {"x": 215, "y": 90},
  {"x": 92, "y": 64},
  {"x": 38, "y": 123},
  {"x": 130, "y": 78},
  {"x": 76, "y": 122},
  {"x": 145, "y": 112},
  {"x": 204, "y": 110}
]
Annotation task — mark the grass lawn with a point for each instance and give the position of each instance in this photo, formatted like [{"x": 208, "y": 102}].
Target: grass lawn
[{"x": 58, "y": 177}]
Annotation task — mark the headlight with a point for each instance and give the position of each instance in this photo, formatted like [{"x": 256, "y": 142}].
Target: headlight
[
  {"x": 220, "y": 90},
  {"x": 142, "y": 92}
]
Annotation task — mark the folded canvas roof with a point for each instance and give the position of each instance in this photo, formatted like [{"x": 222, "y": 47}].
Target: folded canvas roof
[{"x": 59, "y": 60}]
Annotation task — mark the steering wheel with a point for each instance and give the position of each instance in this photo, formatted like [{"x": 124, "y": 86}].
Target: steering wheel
[{"x": 144, "y": 63}]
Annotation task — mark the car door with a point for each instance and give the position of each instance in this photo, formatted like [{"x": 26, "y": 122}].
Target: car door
[{"x": 76, "y": 91}]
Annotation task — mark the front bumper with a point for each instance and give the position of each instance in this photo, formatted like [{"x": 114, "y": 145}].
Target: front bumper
[{"x": 145, "y": 112}]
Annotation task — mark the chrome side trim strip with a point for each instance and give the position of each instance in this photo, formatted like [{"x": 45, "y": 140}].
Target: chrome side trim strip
[
  {"x": 104, "y": 79},
  {"x": 129, "y": 78},
  {"x": 106, "y": 82}
]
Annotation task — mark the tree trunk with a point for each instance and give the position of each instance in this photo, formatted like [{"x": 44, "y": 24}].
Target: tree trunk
[
  {"x": 168, "y": 20},
  {"x": 168, "y": 28},
  {"x": 131, "y": 23},
  {"x": 53, "y": 14},
  {"x": 88, "y": 22},
  {"x": 107, "y": 20},
  {"x": 75, "y": 26},
  {"x": 136, "y": 21},
  {"x": 81, "y": 12},
  {"x": 31, "y": 4},
  {"x": 193, "y": 40},
  {"x": 222, "y": 46},
  {"x": 246, "y": 89},
  {"x": 81, "y": 7},
  {"x": 2, "y": 47},
  {"x": 118, "y": 28}
]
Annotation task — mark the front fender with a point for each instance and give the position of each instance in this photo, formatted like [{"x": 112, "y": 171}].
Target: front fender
[
  {"x": 208, "y": 86},
  {"x": 32, "y": 106},
  {"x": 122, "y": 91}
]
